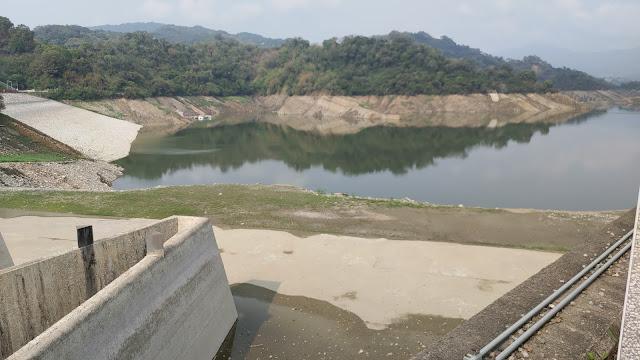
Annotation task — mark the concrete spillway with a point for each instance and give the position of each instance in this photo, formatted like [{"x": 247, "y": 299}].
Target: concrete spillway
[
  {"x": 96, "y": 136},
  {"x": 123, "y": 297}
]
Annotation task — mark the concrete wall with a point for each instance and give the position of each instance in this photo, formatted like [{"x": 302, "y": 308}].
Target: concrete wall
[
  {"x": 34, "y": 295},
  {"x": 5, "y": 257},
  {"x": 166, "y": 306}
]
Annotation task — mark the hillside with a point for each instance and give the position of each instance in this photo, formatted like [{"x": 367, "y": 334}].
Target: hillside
[
  {"x": 139, "y": 65},
  {"x": 562, "y": 78},
  {"x": 189, "y": 35},
  {"x": 449, "y": 48},
  {"x": 135, "y": 65}
]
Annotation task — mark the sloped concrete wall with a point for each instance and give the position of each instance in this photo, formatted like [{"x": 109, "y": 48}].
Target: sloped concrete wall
[
  {"x": 5, "y": 257},
  {"x": 175, "y": 305},
  {"x": 35, "y": 295}
]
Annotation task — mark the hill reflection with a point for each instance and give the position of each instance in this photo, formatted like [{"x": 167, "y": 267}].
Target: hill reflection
[{"x": 394, "y": 149}]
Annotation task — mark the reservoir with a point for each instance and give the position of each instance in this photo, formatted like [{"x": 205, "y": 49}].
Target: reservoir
[{"x": 586, "y": 163}]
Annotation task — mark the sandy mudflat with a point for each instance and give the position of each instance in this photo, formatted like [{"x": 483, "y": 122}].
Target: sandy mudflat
[
  {"x": 96, "y": 136},
  {"x": 377, "y": 279},
  {"x": 31, "y": 237}
]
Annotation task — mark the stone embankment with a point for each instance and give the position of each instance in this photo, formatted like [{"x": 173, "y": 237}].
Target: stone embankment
[
  {"x": 95, "y": 136},
  {"x": 67, "y": 175}
]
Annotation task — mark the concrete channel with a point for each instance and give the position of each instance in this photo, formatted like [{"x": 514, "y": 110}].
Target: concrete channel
[{"x": 157, "y": 292}]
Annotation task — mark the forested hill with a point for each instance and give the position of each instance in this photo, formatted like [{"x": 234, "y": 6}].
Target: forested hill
[
  {"x": 138, "y": 65},
  {"x": 449, "y": 48},
  {"x": 187, "y": 35},
  {"x": 562, "y": 78},
  {"x": 73, "y": 35}
]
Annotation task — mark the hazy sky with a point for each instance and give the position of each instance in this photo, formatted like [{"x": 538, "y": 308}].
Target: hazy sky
[{"x": 494, "y": 26}]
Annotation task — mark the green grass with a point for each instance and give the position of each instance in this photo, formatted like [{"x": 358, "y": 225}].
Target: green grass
[
  {"x": 159, "y": 106},
  {"x": 205, "y": 102},
  {"x": 108, "y": 107},
  {"x": 93, "y": 111},
  {"x": 366, "y": 106},
  {"x": 247, "y": 206},
  {"x": 239, "y": 99},
  {"x": 33, "y": 158}
]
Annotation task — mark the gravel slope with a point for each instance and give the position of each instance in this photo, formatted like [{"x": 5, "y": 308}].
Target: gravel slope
[{"x": 96, "y": 136}]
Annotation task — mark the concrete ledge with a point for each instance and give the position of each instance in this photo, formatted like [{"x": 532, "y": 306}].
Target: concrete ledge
[
  {"x": 629, "y": 347},
  {"x": 176, "y": 305}
]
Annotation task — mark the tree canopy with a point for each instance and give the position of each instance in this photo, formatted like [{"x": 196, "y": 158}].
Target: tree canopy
[{"x": 136, "y": 65}]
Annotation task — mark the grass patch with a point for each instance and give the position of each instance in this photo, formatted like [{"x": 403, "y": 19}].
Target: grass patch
[
  {"x": 239, "y": 99},
  {"x": 366, "y": 106},
  {"x": 108, "y": 107},
  {"x": 33, "y": 158},
  {"x": 269, "y": 207},
  {"x": 205, "y": 102},
  {"x": 159, "y": 106}
]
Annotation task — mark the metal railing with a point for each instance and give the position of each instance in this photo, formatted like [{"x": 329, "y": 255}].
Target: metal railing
[{"x": 493, "y": 344}]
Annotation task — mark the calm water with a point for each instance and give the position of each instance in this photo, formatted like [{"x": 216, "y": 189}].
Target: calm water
[{"x": 591, "y": 162}]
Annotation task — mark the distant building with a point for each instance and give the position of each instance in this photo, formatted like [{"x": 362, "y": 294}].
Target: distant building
[{"x": 203, "y": 117}]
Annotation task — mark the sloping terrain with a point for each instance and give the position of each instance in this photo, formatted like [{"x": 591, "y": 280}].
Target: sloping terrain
[
  {"x": 345, "y": 114},
  {"x": 95, "y": 136}
]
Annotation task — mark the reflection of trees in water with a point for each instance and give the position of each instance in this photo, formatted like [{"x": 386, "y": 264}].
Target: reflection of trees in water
[{"x": 374, "y": 149}]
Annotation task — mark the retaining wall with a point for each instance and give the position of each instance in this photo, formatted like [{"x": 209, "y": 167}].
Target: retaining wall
[{"x": 166, "y": 305}]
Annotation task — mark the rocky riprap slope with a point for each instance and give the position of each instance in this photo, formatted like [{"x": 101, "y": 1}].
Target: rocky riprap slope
[
  {"x": 94, "y": 135},
  {"x": 67, "y": 175}
]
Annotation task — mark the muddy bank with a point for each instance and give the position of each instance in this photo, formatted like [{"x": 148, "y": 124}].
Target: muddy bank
[
  {"x": 66, "y": 175},
  {"x": 345, "y": 114}
]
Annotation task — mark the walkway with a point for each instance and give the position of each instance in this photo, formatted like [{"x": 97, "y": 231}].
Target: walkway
[{"x": 630, "y": 336}]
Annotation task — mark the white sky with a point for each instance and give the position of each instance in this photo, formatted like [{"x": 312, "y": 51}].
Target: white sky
[{"x": 494, "y": 26}]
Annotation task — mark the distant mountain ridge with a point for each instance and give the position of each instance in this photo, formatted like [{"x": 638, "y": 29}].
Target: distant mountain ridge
[
  {"x": 621, "y": 64},
  {"x": 188, "y": 35},
  {"x": 561, "y": 77}
]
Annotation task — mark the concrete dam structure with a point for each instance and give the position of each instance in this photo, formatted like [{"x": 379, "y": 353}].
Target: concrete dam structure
[{"x": 158, "y": 292}]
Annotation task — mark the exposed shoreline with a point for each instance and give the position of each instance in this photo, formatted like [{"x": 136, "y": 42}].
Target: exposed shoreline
[{"x": 343, "y": 114}]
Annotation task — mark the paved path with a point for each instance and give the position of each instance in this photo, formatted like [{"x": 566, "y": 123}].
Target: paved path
[
  {"x": 630, "y": 337},
  {"x": 96, "y": 136}
]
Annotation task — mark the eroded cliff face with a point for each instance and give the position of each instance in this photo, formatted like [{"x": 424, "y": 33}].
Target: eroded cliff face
[{"x": 345, "y": 113}]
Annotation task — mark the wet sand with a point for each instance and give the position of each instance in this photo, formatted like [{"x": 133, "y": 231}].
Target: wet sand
[{"x": 379, "y": 280}]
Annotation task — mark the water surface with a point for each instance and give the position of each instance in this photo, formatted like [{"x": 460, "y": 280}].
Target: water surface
[{"x": 587, "y": 163}]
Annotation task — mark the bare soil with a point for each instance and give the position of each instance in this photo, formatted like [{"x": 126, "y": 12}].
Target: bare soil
[{"x": 344, "y": 114}]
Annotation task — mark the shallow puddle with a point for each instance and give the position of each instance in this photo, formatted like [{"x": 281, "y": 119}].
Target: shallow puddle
[{"x": 275, "y": 326}]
